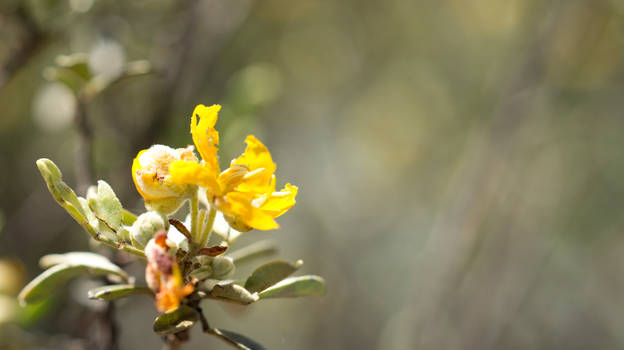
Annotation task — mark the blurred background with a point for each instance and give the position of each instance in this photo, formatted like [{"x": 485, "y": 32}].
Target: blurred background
[{"x": 460, "y": 163}]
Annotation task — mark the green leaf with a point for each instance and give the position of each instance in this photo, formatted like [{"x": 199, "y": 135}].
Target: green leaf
[
  {"x": 269, "y": 274},
  {"x": 62, "y": 193},
  {"x": 106, "y": 206},
  {"x": 72, "y": 71},
  {"x": 117, "y": 291},
  {"x": 301, "y": 286},
  {"x": 64, "y": 267},
  {"x": 229, "y": 291},
  {"x": 77, "y": 63},
  {"x": 182, "y": 318},
  {"x": 32, "y": 313},
  {"x": 88, "y": 259},
  {"x": 240, "y": 340}
]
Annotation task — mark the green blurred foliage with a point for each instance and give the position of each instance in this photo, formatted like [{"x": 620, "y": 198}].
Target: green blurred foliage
[{"x": 461, "y": 163}]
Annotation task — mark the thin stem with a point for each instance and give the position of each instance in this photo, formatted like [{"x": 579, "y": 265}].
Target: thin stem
[
  {"x": 113, "y": 331},
  {"x": 201, "y": 221},
  {"x": 194, "y": 209},
  {"x": 34, "y": 39},
  {"x": 84, "y": 157},
  {"x": 205, "y": 235},
  {"x": 217, "y": 333}
]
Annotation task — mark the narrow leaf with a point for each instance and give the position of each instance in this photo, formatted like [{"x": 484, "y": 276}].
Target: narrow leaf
[
  {"x": 213, "y": 251},
  {"x": 62, "y": 193},
  {"x": 301, "y": 286},
  {"x": 117, "y": 291},
  {"x": 182, "y": 318},
  {"x": 60, "y": 273},
  {"x": 269, "y": 274},
  {"x": 87, "y": 259}
]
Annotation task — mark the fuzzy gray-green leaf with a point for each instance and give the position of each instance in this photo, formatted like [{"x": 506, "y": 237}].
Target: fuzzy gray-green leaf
[
  {"x": 117, "y": 291},
  {"x": 269, "y": 274},
  {"x": 63, "y": 269},
  {"x": 182, "y": 318},
  {"x": 87, "y": 259},
  {"x": 301, "y": 286},
  {"x": 62, "y": 193},
  {"x": 106, "y": 206}
]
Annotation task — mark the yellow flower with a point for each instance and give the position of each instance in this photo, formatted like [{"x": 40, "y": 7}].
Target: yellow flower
[
  {"x": 245, "y": 192},
  {"x": 150, "y": 172}
]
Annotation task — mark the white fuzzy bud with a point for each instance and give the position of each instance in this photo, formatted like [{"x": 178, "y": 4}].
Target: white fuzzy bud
[
  {"x": 222, "y": 267},
  {"x": 145, "y": 226}
]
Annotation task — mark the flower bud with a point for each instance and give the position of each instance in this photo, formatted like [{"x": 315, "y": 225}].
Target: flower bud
[
  {"x": 150, "y": 172},
  {"x": 222, "y": 266},
  {"x": 145, "y": 226}
]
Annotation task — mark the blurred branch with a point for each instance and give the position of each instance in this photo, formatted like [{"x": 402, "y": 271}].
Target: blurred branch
[
  {"x": 173, "y": 77},
  {"x": 84, "y": 161},
  {"x": 34, "y": 40},
  {"x": 172, "y": 88},
  {"x": 216, "y": 332}
]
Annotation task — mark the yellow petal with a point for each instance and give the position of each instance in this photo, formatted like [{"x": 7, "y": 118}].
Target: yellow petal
[
  {"x": 277, "y": 203},
  {"x": 136, "y": 166},
  {"x": 239, "y": 205},
  {"x": 232, "y": 176},
  {"x": 260, "y": 164},
  {"x": 192, "y": 173},
  {"x": 205, "y": 137}
]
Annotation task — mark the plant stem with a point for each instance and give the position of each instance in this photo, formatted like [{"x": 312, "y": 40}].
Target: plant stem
[
  {"x": 217, "y": 333},
  {"x": 84, "y": 163},
  {"x": 113, "y": 329},
  {"x": 207, "y": 230},
  {"x": 34, "y": 39},
  {"x": 201, "y": 221},
  {"x": 194, "y": 209}
]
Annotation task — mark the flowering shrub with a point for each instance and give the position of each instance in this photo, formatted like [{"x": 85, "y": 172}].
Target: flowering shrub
[{"x": 183, "y": 266}]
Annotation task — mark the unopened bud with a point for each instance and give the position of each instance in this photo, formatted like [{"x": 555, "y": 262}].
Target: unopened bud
[
  {"x": 222, "y": 266},
  {"x": 145, "y": 226}
]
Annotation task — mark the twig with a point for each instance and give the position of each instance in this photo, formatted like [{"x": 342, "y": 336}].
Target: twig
[
  {"x": 84, "y": 162},
  {"x": 173, "y": 78},
  {"x": 33, "y": 42},
  {"x": 109, "y": 322},
  {"x": 175, "y": 341},
  {"x": 217, "y": 333}
]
